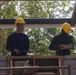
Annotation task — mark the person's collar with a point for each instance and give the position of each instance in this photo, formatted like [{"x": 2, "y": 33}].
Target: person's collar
[
  {"x": 63, "y": 32},
  {"x": 18, "y": 32}
]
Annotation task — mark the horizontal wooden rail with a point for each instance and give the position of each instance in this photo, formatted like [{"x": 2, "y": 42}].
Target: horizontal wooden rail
[
  {"x": 37, "y": 67},
  {"x": 34, "y": 67}
]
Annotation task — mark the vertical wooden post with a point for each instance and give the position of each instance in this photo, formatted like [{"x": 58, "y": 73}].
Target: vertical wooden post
[
  {"x": 69, "y": 70},
  {"x": 73, "y": 20}
]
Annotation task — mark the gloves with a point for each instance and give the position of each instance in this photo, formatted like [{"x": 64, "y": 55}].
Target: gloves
[
  {"x": 62, "y": 46},
  {"x": 30, "y": 51},
  {"x": 16, "y": 51}
]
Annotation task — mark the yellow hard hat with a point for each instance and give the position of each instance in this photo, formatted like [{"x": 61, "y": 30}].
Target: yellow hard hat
[
  {"x": 66, "y": 27},
  {"x": 19, "y": 20}
]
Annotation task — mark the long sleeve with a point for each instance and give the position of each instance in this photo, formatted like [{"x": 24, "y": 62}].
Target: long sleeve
[
  {"x": 8, "y": 44},
  {"x": 27, "y": 45},
  {"x": 53, "y": 45},
  {"x": 71, "y": 45}
]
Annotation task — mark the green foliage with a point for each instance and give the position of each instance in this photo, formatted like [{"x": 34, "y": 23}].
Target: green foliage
[
  {"x": 8, "y": 9},
  {"x": 39, "y": 37}
]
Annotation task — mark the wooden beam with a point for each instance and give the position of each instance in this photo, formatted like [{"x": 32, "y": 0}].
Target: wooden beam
[
  {"x": 73, "y": 20},
  {"x": 35, "y": 23},
  {"x": 32, "y": 26}
]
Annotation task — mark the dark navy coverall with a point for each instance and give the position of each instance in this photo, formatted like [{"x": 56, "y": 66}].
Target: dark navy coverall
[
  {"x": 18, "y": 41},
  {"x": 62, "y": 38}
]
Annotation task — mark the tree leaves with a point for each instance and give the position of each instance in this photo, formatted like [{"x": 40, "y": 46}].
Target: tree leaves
[{"x": 39, "y": 38}]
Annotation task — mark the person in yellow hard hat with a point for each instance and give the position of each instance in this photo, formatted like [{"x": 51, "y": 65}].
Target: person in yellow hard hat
[
  {"x": 18, "y": 42},
  {"x": 62, "y": 42}
]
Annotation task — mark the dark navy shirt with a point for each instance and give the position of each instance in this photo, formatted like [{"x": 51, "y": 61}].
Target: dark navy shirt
[
  {"x": 18, "y": 41},
  {"x": 61, "y": 39}
]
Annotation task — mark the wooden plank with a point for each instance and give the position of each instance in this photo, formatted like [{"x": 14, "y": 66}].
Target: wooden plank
[
  {"x": 3, "y": 58},
  {"x": 35, "y": 23},
  {"x": 36, "y": 68},
  {"x": 70, "y": 62},
  {"x": 45, "y": 73},
  {"x": 70, "y": 57},
  {"x": 3, "y": 63},
  {"x": 33, "y": 67}
]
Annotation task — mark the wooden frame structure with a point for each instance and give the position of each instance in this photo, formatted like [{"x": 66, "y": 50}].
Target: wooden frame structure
[
  {"x": 38, "y": 65},
  {"x": 10, "y": 59},
  {"x": 53, "y": 61}
]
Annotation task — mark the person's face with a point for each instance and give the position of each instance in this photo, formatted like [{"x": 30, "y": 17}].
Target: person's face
[{"x": 20, "y": 27}]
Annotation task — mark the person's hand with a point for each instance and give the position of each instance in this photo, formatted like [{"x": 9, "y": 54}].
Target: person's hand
[
  {"x": 63, "y": 47},
  {"x": 16, "y": 51},
  {"x": 30, "y": 51}
]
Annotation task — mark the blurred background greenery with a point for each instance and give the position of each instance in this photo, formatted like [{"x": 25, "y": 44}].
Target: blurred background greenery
[{"x": 39, "y": 37}]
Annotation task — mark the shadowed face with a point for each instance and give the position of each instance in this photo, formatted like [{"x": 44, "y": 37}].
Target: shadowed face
[{"x": 20, "y": 27}]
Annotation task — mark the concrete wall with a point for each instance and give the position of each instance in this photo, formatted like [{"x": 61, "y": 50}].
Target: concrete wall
[
  {"x": 70, "y": 60},
  {"x": 3, "y": 63}
]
